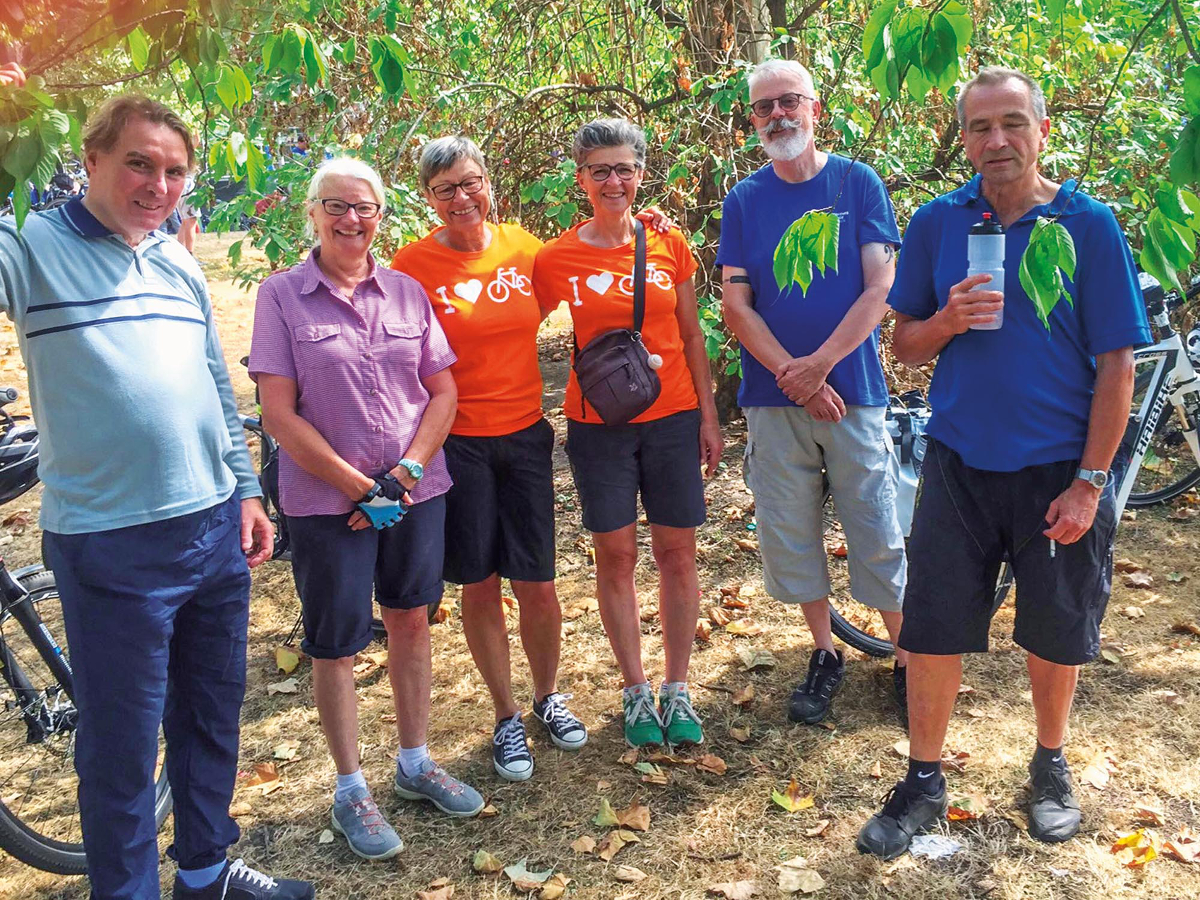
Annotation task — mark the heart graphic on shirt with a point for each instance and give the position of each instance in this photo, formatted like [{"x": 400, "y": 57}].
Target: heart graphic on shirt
[
  {"x": 600, "y": 283},
  {"x": 469, "y": 290}
]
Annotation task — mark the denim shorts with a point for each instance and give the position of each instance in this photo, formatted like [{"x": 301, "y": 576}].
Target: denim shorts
[
  {"x": 337, "y": 569},
  {"x": 968, "y": 521},
  {"x": 789, "y": 456},
  {"x": 500, "y": 511},
  {"x": 660, "y": 460}
]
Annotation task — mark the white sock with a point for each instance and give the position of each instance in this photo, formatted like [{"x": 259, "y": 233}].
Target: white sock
[
  {"x": 676, "y": 686},
  {"x": 412, "y": 760},
  {"x": 347, "y": 783},
  {"x": 637, "y": 689}
]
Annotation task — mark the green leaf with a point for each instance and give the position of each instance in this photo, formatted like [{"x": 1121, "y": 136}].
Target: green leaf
[
  {"x": 1191, "y": 90},
  {"x": 21, "y": 156},
  {"x": 1151, "y": 260},
  {"x": 238, "y": 152},
  {"x": 1175, "y": 207},
  {"x": 1176, "y": 242},
  {"x": 292, "y": 50},
  {"x": 960, "y": 20},
  {"x": 1054, "y": 9},
  {"x": 20, "y": 203},
  {"x": 349, "y": 51},
  {"x": 918, "y": 84},
  {"x": 939, "y": 49},
  {"x": 272, "y": 52},
  {"x": 256, "y": 168},
  {"x": 226, "y": 87},
  {"x": 907, "y": 31},
  {"x": 314, "y": 60},
  {"x": 45, "y": 168},
  {"x": 1184, "y": 169},
  {"x": 139, "y": 47},
  {"x": 54, "y": 126},
  {"x": 1050, "y": 252},
  {"x": 235, "y": 253},
  {"x": 874, "y": 44}
]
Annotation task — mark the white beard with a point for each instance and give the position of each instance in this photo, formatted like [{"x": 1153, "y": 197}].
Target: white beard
[{"x": 786, "y": 143}]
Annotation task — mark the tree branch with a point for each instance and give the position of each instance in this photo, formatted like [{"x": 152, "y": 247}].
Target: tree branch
[
  {"x": 1183, "y": 28},
  {"x": 804, "y": 14}
]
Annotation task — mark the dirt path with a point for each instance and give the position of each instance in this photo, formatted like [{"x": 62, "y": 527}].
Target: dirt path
[{"x": 708, "y": 828}]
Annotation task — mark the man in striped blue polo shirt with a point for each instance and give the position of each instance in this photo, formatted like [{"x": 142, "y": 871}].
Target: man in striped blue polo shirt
[{"x": 150, "y": 513}]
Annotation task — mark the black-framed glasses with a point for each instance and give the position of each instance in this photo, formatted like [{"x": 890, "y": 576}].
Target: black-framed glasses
[
  {"x": 336, "y": 207},
  {"x": 787, "y": 102},
  {"x": 600, "y": 171},
  {"x": 446, "y": 191}
]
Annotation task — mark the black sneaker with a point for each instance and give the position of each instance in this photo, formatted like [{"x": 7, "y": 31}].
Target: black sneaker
[
  {"x": 810, "y": 700},
  {"x": 900, "y": 686},
  {"x": 510, "y": 751},
  {"x": 906, "y": 811},
  {"x": 1053, "y": 810},
  {"x": 566, "y": 731},
  {"x": 238, "y": 881}
]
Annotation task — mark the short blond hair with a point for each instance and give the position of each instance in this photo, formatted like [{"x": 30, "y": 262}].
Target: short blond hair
[{"x": 106, "y": 124}]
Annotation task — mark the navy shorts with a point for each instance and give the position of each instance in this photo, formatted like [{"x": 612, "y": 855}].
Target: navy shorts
[
  {"x": 500, "y": 512},
  {"x": 966, "y": 523},
  {"x": 659, "y": 459},
  {"x": 336, "y": 570}
]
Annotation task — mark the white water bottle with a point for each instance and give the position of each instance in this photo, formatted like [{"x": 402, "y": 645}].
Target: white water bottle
[{"x": 985, "y": 256}]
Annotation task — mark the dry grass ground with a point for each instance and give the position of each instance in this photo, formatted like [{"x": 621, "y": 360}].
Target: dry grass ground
[{"x": 707, "y": 828}]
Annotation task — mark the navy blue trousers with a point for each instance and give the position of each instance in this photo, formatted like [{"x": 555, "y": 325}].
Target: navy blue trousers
[{"x": 156, "y": 620}]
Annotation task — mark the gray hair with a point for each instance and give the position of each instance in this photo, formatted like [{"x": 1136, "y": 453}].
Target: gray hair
[
  {"x": 991, "y": 75},
  {"x": 350, "y": 168},
  {"x": 608, "y": 133},
  {"x": 443, "y": 153},
  {"x": 780, "y": 67}
]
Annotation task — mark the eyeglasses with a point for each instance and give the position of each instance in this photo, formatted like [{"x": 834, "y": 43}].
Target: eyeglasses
[
  {"x": 446, "y": 191},
  {"x": 787, "y": 102},
  {"x": 339, "y": 207},
  {"x": 600, "y": 171}
]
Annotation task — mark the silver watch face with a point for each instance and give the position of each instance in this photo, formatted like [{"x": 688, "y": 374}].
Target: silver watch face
[{"x": 1097, "y": 478}]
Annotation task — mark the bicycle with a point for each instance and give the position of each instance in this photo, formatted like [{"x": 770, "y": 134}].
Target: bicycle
[
  {"x": 1163, "y": 451},
  {"x": 39, "y": 813},
  {"x": 506, "y": 281}
]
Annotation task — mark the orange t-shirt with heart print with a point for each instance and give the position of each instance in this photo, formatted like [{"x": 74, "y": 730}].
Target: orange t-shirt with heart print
[
  {"x": 485, "y": 303},
  {"x": 597, "y": 286}
]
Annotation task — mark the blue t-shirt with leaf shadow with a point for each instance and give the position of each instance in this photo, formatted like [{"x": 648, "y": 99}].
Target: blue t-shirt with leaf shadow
[
  {"x": 1020, "y": 395},
  {"x": 755, "y": 215}
]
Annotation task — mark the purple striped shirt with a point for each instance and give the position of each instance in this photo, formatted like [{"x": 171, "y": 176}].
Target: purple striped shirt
[{"x": 358, "y": 366}]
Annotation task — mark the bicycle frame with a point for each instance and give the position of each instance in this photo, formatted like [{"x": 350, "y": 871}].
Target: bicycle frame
[{"x": 1174, "y": 381}]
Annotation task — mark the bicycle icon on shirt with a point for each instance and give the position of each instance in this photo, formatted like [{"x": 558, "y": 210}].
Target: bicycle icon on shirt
[
  {"x": 654, "y": 276},
  {"x": 506, "y": 281}
]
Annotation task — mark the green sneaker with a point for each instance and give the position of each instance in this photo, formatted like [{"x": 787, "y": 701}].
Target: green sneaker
[
  {"x": 642, "y": 724},
  {"x": 681, "y": 724}
]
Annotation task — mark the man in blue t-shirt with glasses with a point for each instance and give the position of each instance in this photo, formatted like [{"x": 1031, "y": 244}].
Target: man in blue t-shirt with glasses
[
  {"x": 1027, "y": 419},
  {"x": 812, "y": 386}
]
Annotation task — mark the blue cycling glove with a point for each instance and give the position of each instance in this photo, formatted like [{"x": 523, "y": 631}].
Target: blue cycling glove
[{"x": 381, "y": 504}]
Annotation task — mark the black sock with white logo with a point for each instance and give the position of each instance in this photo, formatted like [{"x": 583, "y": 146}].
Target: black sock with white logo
[
  {"x": 924, "y": 776},
  {"x": 1045, "y": 757}
]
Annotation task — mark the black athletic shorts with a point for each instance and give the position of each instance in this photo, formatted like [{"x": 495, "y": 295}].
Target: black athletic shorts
[
  {"x": 337, "y": 568},
  {"x": 966, "y": 523},
  {"x": 659, "y": 459},
  {"x": 500, "y": 512}
]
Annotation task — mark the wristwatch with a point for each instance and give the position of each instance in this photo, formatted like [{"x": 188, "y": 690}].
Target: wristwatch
[
  {"x": 1097, "y": 478},
  {"x": 415, "y": 469}
]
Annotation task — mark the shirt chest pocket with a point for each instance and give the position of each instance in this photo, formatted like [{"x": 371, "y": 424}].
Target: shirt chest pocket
[
  {"x": 319, "y": 345},
  {"x": 400, "y": 345}
]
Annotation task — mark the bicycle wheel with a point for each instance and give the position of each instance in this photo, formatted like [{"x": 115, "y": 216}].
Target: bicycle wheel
[
  {"x": 265, "y": 452},
  {"x": 858, "y": 625},
  {"x": 39, "y": 808},
  {"x": 1168, "y": 468}
]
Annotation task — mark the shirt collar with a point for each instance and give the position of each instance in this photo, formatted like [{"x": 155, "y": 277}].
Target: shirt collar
[
  {"x": 970, "y": 194},
  {"x": 80, "y": 218},
  {"x": 314, "y": 277}
]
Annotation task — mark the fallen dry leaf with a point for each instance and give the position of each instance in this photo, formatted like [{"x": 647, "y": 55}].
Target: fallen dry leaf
[
  {"x": 264, "y": 773},
  {"x": 629, "y": 874},
  {"x": 629, "y": 757},
  {"x": 714, "y": 765},
  {"x": 286, "y": 750},
  {"x": 732, "y": 602},
  {"x": 1018, "y": 818},
  {"x": 488, "y": 811},
  {"x": 748, "y": 544},
  {"x": 584, "y": 844},
  {"x": 554, "y": 887},
  {"x": 1127, "y": 565},
  {"x": 965, "y": 807},
  {"x": 326, "y": 837},
  {"x": 286, "y": 660},
  {"x": 718, "y": 616},
  {"x": 1097, "y": 771},
  {"x": 799, "y": 878},
  {"x": 839, "y": 551},
  {"x": 241, "y": 808},
  {"x": 745, "y": 627},
  {"x": 900, "y": 748},
  {"x": 287, "y": 686},
  {"x": 955, "y": 760},
  {"x": 1168, "y": 697},
  {"x": 1136, "y": 849},
  {"x": 649, "y": 614},
  {"x": 734, "y": 890},
  {"x": 379, "y": 659},
  {"x": 486, "y": 864},
  {"x": 790, "y": 798},
  {"x": 1138, "y": 580},
  {"x": 876, "y": 770},
  {"x": 441, "y": 892},
  {"x": 756, "y": 659},
  {"x": 635, "y": 816},
  {"x": 1148, "y": 815},
  {"x": 523, "y": 879},
  {"x": 1110, "y": 655},
  {"x": 442, "y": 614},
  {"x": 1184, "y": 847},
  {"x": 704, "y": 630},
  {"x": 743, "y": 697},
  {"x": 1133, "y": 612},
  {"x": 1176, "y": 577},
  {"x": 1186, "y": 628},
  {"x": 818, "y": 829},
  {"x": 740, "y": 733},
  {"x": 511, "y": 603},
  {"x": 611, "y": 845}
]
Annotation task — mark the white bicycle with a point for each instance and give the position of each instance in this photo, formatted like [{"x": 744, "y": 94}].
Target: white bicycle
[{"x": 1161, "y": 445}]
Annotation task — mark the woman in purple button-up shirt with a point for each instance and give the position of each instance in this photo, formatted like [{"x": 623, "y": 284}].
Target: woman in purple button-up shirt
[{"x": 353, "y": 373}]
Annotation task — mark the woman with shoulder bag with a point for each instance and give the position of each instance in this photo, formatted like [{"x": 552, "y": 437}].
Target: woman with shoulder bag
[{"x": 641, "y": 416}]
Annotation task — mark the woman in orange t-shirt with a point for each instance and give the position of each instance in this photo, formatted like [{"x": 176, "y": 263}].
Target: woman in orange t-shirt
[{"x": 660, "y": 453}]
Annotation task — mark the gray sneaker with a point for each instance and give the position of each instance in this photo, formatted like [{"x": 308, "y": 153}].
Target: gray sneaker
[
  {"x": 434, "y": 784},
  {"x": 360, "y": 822}
]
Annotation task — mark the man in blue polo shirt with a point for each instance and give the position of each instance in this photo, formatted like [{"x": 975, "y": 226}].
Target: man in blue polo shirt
[
  {"x": 150, "y": 512},
  {"x": 812, "y": 386},
  {"x": 1026, "y": 422}
]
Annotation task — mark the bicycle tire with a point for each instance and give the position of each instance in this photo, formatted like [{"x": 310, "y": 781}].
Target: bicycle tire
[
  {"x": 24, "y": 841},
  {"x": 1166, "y": 433},
  {"x": 268, "y": 480}
]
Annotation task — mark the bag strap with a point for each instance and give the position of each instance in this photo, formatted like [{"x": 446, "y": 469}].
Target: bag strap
[{"x": 639, "y": 276}]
